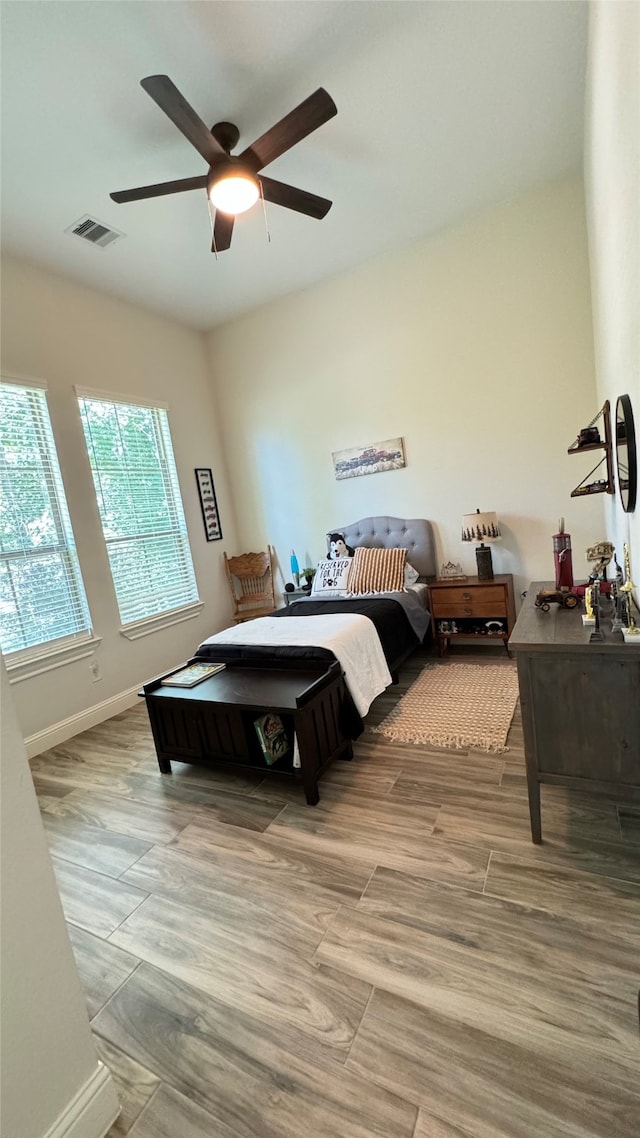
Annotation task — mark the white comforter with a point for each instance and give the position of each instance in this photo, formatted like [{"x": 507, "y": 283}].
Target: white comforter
[{"x": 352, "y": 639}]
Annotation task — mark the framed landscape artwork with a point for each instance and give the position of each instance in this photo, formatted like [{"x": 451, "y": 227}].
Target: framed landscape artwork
[
  {"x": 372, "y": 459},
  {"x": 204, "y": 478}
]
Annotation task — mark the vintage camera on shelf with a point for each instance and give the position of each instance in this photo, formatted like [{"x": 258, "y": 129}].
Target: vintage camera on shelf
[{"x": 588, "y": 436}]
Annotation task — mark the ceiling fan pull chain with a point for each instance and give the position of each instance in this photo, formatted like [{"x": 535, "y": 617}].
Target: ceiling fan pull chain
[{"x": 264, "y": 210}]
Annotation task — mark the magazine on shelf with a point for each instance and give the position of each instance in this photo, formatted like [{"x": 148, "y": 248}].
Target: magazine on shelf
[
  {"x": 273, "y": 737},
  {"x": 191, "y": 674}
]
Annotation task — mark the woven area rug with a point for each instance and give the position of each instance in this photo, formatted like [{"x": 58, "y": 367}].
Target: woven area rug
[{"x": 456, "y": 705}]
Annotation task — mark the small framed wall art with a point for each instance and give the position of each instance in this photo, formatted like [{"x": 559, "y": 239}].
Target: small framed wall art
[{"x": 204, "y": 478}]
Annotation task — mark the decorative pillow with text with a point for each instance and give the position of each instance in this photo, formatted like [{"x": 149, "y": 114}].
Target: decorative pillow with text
[{"x": 331, "y": 578}]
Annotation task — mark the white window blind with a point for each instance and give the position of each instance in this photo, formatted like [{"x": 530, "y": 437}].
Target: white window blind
[
  {"x": 140, "y": 506},
  {"x": 42, "y": 596}
]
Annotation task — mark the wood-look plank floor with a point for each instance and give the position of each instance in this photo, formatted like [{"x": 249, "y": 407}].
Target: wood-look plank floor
[{"x": 398, "y": 962}]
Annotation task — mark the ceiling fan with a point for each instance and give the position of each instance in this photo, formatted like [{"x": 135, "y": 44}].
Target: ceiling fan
[{"x": 232, "y": 182}]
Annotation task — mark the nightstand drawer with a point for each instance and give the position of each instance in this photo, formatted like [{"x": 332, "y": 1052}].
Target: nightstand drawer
[
  {"x": 479, "y": 609},
  {"x": 450, "y": 602}
]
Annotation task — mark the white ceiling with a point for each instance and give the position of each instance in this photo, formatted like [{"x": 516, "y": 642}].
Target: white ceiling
[{"x": 444, "y": 108}]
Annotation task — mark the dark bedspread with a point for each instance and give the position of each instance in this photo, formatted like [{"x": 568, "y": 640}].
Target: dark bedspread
[
  {"x": 397, "y": 637},
  {"x": 396, "y": 634}
]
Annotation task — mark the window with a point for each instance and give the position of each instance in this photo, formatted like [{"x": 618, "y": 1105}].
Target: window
[
  {"x": 42, "y": 597},
  {"x": 140, "y": 506}
]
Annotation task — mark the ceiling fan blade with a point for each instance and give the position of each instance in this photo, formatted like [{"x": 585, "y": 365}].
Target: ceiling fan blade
[
  {"x": 300, "y": 122},
  {"x": 158, "y": 191},
  {"x": 222, "y": 231},
  {"x": 291, "y": 198},
  {"x": 167, "y": 96}
]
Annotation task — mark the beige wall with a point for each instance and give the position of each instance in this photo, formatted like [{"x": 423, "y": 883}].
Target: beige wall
[
  {"x": 612, "y": 181},
  {"x": 66, "y": 334},
  {"x": 49, "y": 1067},
  {"x": 475, "y": 346}
]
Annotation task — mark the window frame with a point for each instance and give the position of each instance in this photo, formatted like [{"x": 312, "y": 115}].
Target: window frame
[
  {"x": 153, "y": 622},
  {"x": 45, "y": 655}
]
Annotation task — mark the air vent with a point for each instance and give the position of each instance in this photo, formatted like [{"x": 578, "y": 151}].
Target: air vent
[{"x": 94, "y": 231}]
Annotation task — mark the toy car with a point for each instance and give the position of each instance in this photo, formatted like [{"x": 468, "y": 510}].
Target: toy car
[{"x": 547, "y": 597}]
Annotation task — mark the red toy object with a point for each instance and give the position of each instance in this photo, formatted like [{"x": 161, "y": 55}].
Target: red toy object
[
  {"x": 605, "y": 588},
  {"x": 562, "y": 558}
]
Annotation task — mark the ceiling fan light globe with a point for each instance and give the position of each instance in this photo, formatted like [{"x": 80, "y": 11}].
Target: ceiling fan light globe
[{"x": 234, "y": 193}]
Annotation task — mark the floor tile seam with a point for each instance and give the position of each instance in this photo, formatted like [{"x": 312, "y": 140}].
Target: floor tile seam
[
  {"x": 97, "y": 872},
  {"x": 419, "y": 1102},
  {"x": 152, "y": 846},
  {"x": 487, "y": 842},
  {"x": 387, "y": 815},
  {"x": 332, "y": 1056},
  {"x": 131, "y": 799},
  {"x": 518, "y": 978},
  {"x": 455, "y": 886},
  {"x": 588, "y": 924},
  {"x": 178, "y": 805},
  {"x": 224, "y": 932},
  {"x": 359, "y": 855},
  {"x": 162, "y": 1079},
  {"x": 138, "y": 1116},
  {"x": 357, "y": 1029},
  {"x": 457, "y": 1130},
  {"x": 225, "y": 940},
  {"x": 626, "y": 1067},
  {"x": 561, "y": 868},
  {"x": 111, "y": 997},
  {"x": 142, "y": 901},
  {"x": 486, "y": 874},
  {"x": 581, "y": 924},
  {"x": 155, "y": 841},
  {"x": 254, "y": 797},
  {"x": 147, "y": 1105},
  {"x": 70, "y": 820}
]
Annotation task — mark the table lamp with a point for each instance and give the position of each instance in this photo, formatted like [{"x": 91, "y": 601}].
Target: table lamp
[{"x": 482, "y": 528}]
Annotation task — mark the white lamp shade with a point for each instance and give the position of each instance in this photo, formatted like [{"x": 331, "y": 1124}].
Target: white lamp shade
[{"x": 481, "y": 527}]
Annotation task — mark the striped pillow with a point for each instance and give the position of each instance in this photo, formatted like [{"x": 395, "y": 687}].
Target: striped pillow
[{"x": 377, "y": 571}]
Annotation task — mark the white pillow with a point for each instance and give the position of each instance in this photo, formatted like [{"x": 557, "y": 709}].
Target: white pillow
[
  {"x": 410, "y": 575},
  {"x": 331, "y": 578}
]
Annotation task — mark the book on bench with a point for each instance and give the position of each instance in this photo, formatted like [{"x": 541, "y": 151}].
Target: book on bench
[
  {"x": 191, "y": 674},
  {"x": 272, "y": 737}
]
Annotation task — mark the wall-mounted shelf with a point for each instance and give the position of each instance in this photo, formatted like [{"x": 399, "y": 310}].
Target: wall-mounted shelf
[{"x": 590, "y": 443}]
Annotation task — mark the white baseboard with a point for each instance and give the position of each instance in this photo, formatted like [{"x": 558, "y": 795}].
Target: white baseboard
[
  {"x": 91, "y": 1111},
  {"x": 82, "y": 721}
]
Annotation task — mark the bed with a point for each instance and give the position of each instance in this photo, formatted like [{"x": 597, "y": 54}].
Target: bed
[
  {"x": 400, "y": 618},
  {"x": 315, "y": 666}
]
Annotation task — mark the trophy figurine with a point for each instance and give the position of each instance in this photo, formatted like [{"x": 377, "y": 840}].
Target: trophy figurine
[
  {"x": 618, "y": 598},
  {"x": 597, "y": 633},
  {"x": 589, "y": 615},
  {"x": 631, "y": 633}
]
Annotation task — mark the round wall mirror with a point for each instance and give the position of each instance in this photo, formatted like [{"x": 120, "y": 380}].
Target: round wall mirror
[{"x": 626, "y": 454}]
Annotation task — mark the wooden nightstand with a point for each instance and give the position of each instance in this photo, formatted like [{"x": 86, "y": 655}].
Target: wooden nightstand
[{"x": 472, "y": 609}]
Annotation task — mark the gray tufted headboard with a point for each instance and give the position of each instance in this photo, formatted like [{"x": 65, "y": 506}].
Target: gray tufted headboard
[{"x": 413, "y": 534}]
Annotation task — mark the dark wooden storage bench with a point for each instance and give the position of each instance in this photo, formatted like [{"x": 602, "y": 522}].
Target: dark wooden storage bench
[{"x": 213, "y": 723}]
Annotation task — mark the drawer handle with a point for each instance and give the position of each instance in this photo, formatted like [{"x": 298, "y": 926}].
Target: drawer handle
[
  {"x": 468, "y": 611},
  {"x": 466, "y": 596}
]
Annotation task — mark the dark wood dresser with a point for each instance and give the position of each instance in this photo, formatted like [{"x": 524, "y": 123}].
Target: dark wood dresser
[{"x": 580, "y": 704}]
